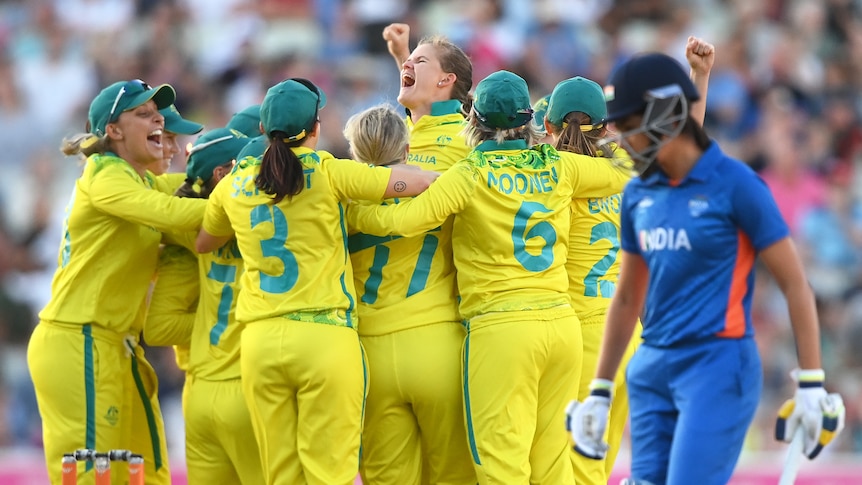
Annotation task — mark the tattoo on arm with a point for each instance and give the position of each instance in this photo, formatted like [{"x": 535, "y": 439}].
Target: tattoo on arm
[{"x": 400, "y": 186}]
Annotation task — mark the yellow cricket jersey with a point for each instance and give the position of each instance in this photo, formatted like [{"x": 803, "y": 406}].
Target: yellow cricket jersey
[
  {"x": 174, "y": 301},
  {"x": 295, "y": 252},
  {"x": 436, "y": 142},
  {"x": 594, "y": 242},
  {"x": 216, "y": 333},
  {"x": 403, "y": 283},
  {"x": 168, "y": 182},
  {"x": 510, "y": 235},
  {"x": 110, "y": 245}
]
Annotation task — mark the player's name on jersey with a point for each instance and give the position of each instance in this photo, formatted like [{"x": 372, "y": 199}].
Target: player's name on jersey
[
  {"x": 608, "y": 205},
  {"x": 245, "y": 185},
  {"x": 544, "y": 181}
]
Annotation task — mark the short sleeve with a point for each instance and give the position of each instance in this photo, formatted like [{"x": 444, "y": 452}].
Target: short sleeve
[
  {"x": 628, "y": 241},
  {"x": 354, "y": 180},
  {"x": 449, "y": 194},
  {"x": 755, "y": 210},
  {"x": 114, "y": 190},
  {"x": 216, "y": 221}
]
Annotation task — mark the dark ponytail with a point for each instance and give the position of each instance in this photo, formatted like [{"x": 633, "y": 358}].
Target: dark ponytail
[{"x": 281, "y": 172}]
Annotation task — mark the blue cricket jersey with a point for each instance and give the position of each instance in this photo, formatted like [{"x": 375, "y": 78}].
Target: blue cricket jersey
[{"x": 699, "y": 238}]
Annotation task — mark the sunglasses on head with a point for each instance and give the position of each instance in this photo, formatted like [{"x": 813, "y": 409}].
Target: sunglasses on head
[
  {"x": 123, "y": 90},
  {"x": 522, "y": 116}
]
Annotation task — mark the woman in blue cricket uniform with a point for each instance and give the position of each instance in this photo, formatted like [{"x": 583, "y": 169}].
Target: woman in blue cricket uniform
[{"x": 692, "y": 224}]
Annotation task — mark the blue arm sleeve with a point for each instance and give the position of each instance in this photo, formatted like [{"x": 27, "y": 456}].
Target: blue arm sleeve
[{"x": 628, "y": 238}]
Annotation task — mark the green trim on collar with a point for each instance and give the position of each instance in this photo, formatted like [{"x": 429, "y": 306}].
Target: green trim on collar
[
  {"x": 447, "y": 107},
  {"x": 491, "y": 145}
]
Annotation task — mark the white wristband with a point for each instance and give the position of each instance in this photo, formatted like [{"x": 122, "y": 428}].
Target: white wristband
[
  {"x": 808, "y": 375},
  {"x": 602, "y": 384}
]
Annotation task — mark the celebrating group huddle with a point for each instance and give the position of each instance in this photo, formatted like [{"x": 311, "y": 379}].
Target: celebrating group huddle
[{"x": 474, "y": 320}]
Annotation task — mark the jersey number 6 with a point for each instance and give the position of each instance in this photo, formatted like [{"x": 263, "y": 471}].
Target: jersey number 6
[{"x": 543, "y": 230}]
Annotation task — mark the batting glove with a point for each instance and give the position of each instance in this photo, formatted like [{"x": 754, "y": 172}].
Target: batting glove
[
  {"x": 820, "y": 415},
  {"x": 587, "y": 421}
]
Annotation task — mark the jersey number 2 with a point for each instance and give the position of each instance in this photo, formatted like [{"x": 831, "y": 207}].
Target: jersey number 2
[{"x": 592, "y": 285}]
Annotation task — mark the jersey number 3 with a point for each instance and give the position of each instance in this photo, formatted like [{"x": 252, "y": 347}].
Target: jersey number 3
[{"x": 274, "y": 247}]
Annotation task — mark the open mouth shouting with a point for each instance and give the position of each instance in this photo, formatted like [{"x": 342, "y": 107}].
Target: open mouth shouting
[
  {"x": 155, "y": 137},
  {"x": 407, "y": 79}
]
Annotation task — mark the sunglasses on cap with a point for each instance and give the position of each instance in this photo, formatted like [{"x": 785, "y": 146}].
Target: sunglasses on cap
[
  {"x": 500, "y": 120},
  {"x": 128, "y": 87}
]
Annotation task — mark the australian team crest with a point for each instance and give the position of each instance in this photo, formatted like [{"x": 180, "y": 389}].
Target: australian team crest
[
  {"x": 697, "y": 205},
  {"x": 113, "y": 415},
  {"x": 444, "y": 140}
]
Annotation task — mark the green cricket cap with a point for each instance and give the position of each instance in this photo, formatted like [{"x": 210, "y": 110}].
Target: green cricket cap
[
  {"x": 175, "y": 123},
  {"x": 122, "y": 96},
  {"x": 246, "y": 121},
  {"x": 291, "y": 106},
  {"x": 577, "y": 94},
  {"x": 502, "y": 100},
  {"x": 254, "y": 148},
  {"x": 213, "y": 149}
]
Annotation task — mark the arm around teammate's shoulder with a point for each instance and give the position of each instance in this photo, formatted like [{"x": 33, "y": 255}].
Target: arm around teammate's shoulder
[
  {"x": 115, "y": 191},
  {"x": 408, "y": 181},
  {"x": 596, "y": 176},
  {"x": 450, "y": 194},
  {"x": 216, "y": 228}
]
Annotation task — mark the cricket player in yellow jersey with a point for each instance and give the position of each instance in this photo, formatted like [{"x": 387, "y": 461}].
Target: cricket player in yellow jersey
[
  {"x": 87, "y": 369},
  {"x": 171, "y": 310},
  {"x": 435, "y": 83},
  {"x": 169, "y": 321},
  {"x": 575, "y": 119},
  {"x": 412, "y": 335},
  {"x": 303, "y": 374},
  {"x": 220, "y": 442},
  {"x": 521, "y": 357},
  {"x": 414, "y": 425}
]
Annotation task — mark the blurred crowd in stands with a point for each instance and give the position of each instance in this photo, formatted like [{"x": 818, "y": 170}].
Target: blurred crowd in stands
[{"x": 784, "y": 97}]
